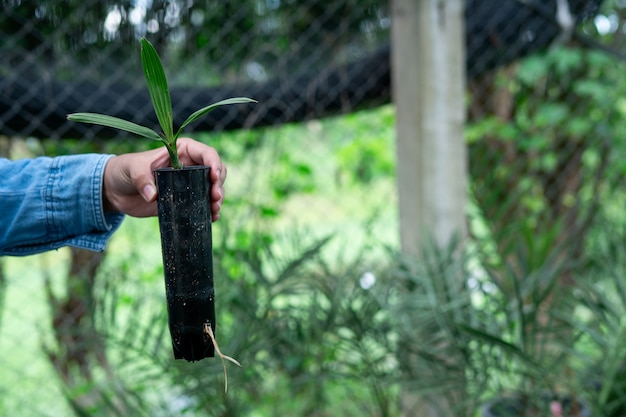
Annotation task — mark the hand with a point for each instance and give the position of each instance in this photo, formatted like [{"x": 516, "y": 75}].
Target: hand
[{"x": 129, "y": 182}]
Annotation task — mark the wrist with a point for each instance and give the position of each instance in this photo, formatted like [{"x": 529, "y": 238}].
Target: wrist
[{"x": 107, "y": 195}]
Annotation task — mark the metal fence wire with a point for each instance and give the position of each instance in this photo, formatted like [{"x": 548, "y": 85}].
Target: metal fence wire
[
  {"x": 59, "y": 58},
  {"x": 545, "y": 128},
  {"x": 301, "y": 61}
]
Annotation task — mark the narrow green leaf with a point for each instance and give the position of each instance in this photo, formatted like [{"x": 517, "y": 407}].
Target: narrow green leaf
[
  {"x": 116, "y": 123},
  {"x": 157, "y": 86},
  {"x": 203, "y": 111},
  {"x": 495, "y": 340}
]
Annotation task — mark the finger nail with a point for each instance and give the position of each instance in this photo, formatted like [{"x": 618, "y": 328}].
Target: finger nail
[{"x": 149, "y": 192}]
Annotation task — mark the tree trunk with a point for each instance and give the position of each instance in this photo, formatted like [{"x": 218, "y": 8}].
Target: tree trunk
[
  {"x": 428, "y": 89},
  {"x": 428, "y": 81}
]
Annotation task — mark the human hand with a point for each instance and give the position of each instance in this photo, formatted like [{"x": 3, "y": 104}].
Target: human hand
[{"x": 129, "y": 181}]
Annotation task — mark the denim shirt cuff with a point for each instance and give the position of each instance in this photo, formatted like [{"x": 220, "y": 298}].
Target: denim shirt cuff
[
  {"x": 92, "y": 227},
  {"x": 60, "y": 204}
]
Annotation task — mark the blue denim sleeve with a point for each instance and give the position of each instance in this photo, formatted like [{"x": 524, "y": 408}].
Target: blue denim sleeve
[{"x": 47, "y": 203}]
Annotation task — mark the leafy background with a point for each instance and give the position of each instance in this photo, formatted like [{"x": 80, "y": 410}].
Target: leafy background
[{"x": 311, "y": 292}]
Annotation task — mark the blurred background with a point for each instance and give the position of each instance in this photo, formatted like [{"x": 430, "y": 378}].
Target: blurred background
[{"x": 314, "y": 294}]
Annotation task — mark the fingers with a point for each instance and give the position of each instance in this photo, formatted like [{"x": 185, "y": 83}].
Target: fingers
[
  {"x": 141, "y": 172},
  {"x": 144, "y": 184},
  {"x": 217, "y": 198},
  {"x": 192, "y": 152},
  {"x": 218, "y": 176},
  {"x": 130, "y": 186}
]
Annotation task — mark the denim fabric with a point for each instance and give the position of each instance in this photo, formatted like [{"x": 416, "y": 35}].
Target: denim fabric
[{"x": 47, "y": 203}]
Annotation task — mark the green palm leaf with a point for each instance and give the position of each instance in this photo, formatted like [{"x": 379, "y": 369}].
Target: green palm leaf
[
  {"x": 162, "y": 103},
  {"x": 157, "y": 86},
  {"x": 200, "y": 113},
  {"x": 116, "y": 123}
]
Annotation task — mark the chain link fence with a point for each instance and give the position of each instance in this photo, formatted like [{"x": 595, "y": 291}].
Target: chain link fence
[{"x": 82, "y": 334}]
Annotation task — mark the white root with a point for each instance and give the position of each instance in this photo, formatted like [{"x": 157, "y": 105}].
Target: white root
[{"x": 209, "y": 332}]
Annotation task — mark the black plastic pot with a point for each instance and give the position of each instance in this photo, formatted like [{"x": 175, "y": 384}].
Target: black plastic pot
[{"x": 185, "y": 223}]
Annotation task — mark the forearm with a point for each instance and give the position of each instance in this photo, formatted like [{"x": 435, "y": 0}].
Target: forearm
[{"x": 47, "y": 203}]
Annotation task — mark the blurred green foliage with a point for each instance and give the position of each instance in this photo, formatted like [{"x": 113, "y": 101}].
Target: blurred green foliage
[
  {"x": 362, "y": 161},
  {"x": 314, "y": 311},
  {"x": 287, "y": 292},
  {"x": 328, "y": 321},
  {"x": 549, "y": 160}
]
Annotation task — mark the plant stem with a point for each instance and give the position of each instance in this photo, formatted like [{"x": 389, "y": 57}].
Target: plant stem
[{"x": 171, "y": 149}]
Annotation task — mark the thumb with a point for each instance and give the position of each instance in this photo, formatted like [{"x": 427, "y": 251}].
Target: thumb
[
  {"x": 144, "y": 184},
  {"x": 148, "y": 192}
]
